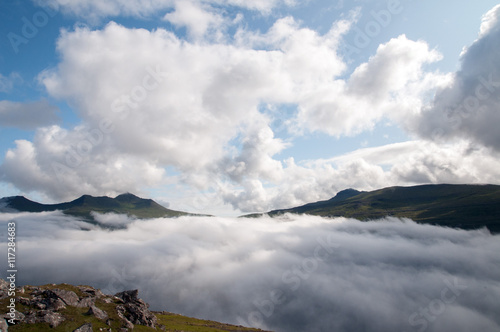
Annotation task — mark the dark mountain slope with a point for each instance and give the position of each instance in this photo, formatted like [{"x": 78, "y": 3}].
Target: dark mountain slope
[
  {"x": 459, "y": 206},
  {"x": 81, "y": 207},
  {"x": 21, "y": 203}
]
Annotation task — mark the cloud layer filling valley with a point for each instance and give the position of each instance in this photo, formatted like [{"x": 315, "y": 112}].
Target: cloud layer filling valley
[{"x": 292, "y": 274}]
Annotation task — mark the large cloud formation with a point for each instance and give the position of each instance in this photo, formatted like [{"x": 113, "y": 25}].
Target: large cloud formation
[
  {"x": 469, "y": 106},
  {"x": 200, "y": 112},
  {"x": 290, "y": 274}
]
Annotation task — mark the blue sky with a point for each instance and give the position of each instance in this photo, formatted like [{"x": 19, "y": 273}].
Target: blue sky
[{"x": 256, "y": 105}]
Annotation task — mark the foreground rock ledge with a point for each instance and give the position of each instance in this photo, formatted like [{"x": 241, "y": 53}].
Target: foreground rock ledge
[{"x": 83, "y": 309}]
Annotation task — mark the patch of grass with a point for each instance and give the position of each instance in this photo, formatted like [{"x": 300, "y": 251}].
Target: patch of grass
[{"x": 174, "y": 322}]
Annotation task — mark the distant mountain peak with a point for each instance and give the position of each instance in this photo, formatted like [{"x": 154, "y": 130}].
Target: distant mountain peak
[
  {"x": 346, "y": 193},
  {"x": 348, "y": 190},
  {"x": 127, "y": 196},
  {"x": 83, "y": 198}
]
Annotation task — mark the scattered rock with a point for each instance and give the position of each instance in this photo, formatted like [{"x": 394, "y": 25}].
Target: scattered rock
[
  {"x": 98, "y": 313},
  {"x": 91, "y": 291},
  {"x": 30, "y": 318},
  {"x": 44, "y": 300},
  {"x": 135, "y": 310},
  {"x": 40, "y": 305},
  {"x": 139, "y": 314},
  {"x": 44, "y": 316},
  {"x": 56, "y": 305},
  {"x": 84, "y": 328},
  {"x": 86, "y": 302},
  {"x": 107, "y": 300},
  {"x": 128, "y": 296},
  {"x": 121, "y": 313},
  {"x": 18, "y": 316},
  {"x": 69, "y": 297},
  {"x": 53, "y": 318},
  {"x": 23, "y": 300}
]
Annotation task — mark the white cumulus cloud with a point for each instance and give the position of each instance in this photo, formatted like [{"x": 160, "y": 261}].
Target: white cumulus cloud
[
  {"x": 467, "y": 107},
  {"x": 196, "y": 19}
]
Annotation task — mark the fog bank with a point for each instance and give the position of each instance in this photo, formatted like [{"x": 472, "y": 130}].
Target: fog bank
[{"x": 296, "y": 273}]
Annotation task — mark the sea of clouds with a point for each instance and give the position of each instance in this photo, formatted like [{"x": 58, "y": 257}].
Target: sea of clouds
[{"x": 294, "y": 273}]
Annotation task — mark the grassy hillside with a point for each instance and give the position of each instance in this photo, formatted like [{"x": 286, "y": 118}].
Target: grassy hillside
[{"x": 459, "y": 206}]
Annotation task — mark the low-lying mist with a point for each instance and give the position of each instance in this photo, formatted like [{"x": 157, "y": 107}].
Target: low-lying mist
[{"x": 295, "y": 273}]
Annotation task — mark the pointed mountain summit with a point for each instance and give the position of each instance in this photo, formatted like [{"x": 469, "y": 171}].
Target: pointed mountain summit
[
  {"x": 136, "y": 202},
  {"x": 83, "y": 206},
  {"x": 128, "y": 197},
  {"x": 344, "y": 194},
  {"x": 341, "y": 196}
]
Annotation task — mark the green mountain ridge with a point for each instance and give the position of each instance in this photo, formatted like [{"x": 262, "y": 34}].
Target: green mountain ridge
[
  {"x": 457, "y": 206},
  {"x": 83, "y": 206}
]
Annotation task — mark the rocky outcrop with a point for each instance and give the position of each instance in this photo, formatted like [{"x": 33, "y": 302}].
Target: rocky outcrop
[
  {"x": 44, "y": 316},
  {"x": 135, "y": 310},
  {"x": 49, "y": 304},
  {"x": 91, "y": 291},
  {"x": 84, "y": 328},
  {"x": 100, "y": 314},
  {"x": 85, "y": 309}
]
